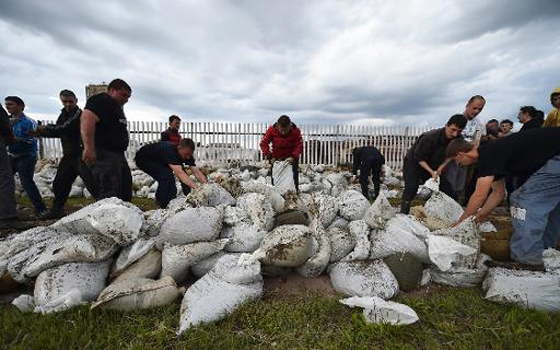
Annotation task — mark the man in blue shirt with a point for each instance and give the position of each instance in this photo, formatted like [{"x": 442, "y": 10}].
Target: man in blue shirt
[{"x": 23, "y": 151}]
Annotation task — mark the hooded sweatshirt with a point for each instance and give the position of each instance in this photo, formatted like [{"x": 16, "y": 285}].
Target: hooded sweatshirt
[{"x": 553, "y": 118}]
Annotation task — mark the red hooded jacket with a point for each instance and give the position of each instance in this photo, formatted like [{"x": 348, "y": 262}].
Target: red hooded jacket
[{"x": 283, "y": 146}]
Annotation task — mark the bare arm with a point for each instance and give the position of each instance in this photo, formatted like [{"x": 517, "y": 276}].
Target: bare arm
[
  {"x": 87, "y": 130},
  {"x": 426, "y": 167},
  {"x": 495, "y": 198},
  {"x": 199, "y": 175},
  {"x": 483, "y": 186},
  {"x": 182, "y": 176},
  {"x": 443, "y": 165}
]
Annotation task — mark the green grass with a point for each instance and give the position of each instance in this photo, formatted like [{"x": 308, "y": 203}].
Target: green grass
[{"x": 449, "y": 319}]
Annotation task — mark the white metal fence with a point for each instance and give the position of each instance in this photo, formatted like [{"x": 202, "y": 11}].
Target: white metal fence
[{"x": 227, "y": 142}]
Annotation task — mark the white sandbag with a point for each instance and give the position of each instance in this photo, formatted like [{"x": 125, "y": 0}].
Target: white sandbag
[
  {"x": 191, "y": 225},
  {"x": 352, "y": 205},
  {"x": 286, "y": 246},
  {"x": 283, "y": 177},
  {"x": 259, "y": 210},
  {"x": 148, "y": 266},
  {"x": 76, "y": 192},
  {"x": 132, "y": 253},
  {"x": 379, "y": 212},
  {"x": 69, "y": 285},
  {"x": 210, "y": 195},
  {"x": 446, "y": 253},
  {"x": 465, "y": 233},
  {"x": 461, "y": 277},
  {"x": 179, "y": 203},
  {"x": 153, "y": 220},
  {"x": 233, "y": 215},
  {"x": 342, "y": 243},
  {"x": 364, "y": 278},
  {"x": 339, "y": 222},
  {"x": 377, "y": 310},
  {"x": 202, "y": 267},
  {"x": 551, "y": 260},
  {"x": 24, "y": 303},
  {"x": 326, "y": 209},
  {"x": 360, "y": 230},
  {"x": 401, "y": 235},
  {"x": 316, "y": 264},
  {"x": 176, "y": 260},
  {"x": 243, "y": 237},
  {"x": 110, "y": 217},
  {"x": 220, "y": 292},
  {"x": 443, "y": 207},
  {"x": 137, "y": 294},
  {"x": 528, "y": 289},
  {"x": 432, "y": 185},
  {"x": 486, "y": 227},
  {"x": 270, "y": 192}
]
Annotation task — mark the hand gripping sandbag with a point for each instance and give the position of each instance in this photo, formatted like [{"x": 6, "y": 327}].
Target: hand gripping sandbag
[
  {"x": 220, "y": 292},
  {"x": 137, "y": 294},
  {"x": 443, "y": 207},
  {"x": 191, "y": 225},
  {"x": 446, "y": 253},
  {"x": 69, "y": 285},
  {"x": 528, "y": 289},
  {"x": 270, "y": 192},
  {"x": 360, "y": 231},
  {"x": 316, "y": 264},
  {"x": 377, "y": 310},
  {"x": 283, "y": 177},
  {"x": 379, "y": 212},
  {"x": 111, "y": 217},
  {"x": 210, "y": 195},
  {"x": 342, "y": 243},
  {"x": 352, "y": 205},
  {"x": 364, "y": 278},
  {"x": 258, "y": 209},
  {"x": 286, "y": 246}
]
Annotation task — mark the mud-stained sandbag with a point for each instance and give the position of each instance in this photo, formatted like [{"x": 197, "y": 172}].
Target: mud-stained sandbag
[
  {"x": 233, "y": 215},
  {"x": 352, "y": 205},
  {"x": 407, "y": 269},
  {"x": 190, "y": 226},
  {"x": 461, "y": 277},
  {"x": 551, "y": 260},
  {"x": 202, "y": 267},
  {"x": 178, "y": 204},
  {"x": 258, "y": 209},
  {"x": 210, "y": 195},
  {"x": 316, "y": 264},
  {"x": 342, "y": 243},
  {"x": 364, "y": 278},
  {"x": 270, "y": 192},
  {"x": 111, "y": 217},
  {"x": 443, "y": 207},
  {"x": 399, "y": 236},
  {"x": 379, "y": 212},
  {"x": 326, "y": 209},
  {"x": 176, "y": 260},
  {"x": 447, "y": 253},
  {"x": 24, "y": 303},
  {"x": 360, "y": 231},
  {"x": 486, "y": 227},
  {"x": 465, "y": 233},
  {"x": 153, "y": 220},
  {"x": 528, "y": 289},
  {"x": 69, "y": 285},
  {"x": 377, "y": 310},
  {"x": 286, "y": 246},
  {"x": 137, "y": 294},
  {"x": 220, "y": 292},
  {"x": 148, "y": 266},
  {"x": 339, "y": 222},
  {"x": 243, "y": 237},
  {"x": 132, "y": 253},
  {"x": 291, "y": 217},
  {"x": 283, "y": 177}
]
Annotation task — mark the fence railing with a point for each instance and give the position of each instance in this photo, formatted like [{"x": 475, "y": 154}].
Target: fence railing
[{"x": 227, "y": 142}]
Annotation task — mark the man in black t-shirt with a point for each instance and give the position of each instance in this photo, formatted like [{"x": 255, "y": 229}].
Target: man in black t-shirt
[
  {"x": 535, "y": 206},
  {"x": 426, "y": 158},
  {"x": 105, "y": 137},
  {"x": 161, "y": 160},
  {"x": 369, "y": 160}
]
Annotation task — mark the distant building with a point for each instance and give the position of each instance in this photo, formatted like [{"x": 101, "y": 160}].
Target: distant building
[{"x": 94, "y": 89}]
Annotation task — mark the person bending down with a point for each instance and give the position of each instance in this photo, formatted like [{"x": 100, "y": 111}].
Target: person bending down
[
  {"x": 161, "y": 160},
  {"x": 369, "y": 160}
]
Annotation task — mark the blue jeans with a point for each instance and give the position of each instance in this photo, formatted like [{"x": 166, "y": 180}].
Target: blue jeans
[
  {"x": 535, "y": 209},
  {"x": 25, "y": 167}
]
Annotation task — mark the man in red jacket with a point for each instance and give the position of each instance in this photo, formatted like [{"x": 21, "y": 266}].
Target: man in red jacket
[{"x": 287, "y": 144}]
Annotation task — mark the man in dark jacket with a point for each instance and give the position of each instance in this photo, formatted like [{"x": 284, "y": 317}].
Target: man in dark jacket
[
  {"x": 426, "y": 158},
  {"x": 530, "y": 117},
  {"x": 67, "y": 128},
  {"x": 369, "y": 160},
  {"x": 287, "y": 144},
  {"x": 172, "y": 133}
]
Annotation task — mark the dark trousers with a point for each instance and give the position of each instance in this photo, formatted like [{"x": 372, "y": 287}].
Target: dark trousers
[
  {"x": 7, "y": 185},
  {"x": 163, "y": 174},
  {"x": 25, "y": 167},
  {"x": 111, "y": 176},
  {"x": 414, "y": 175},
  {"x": 372, "y": 166},
  {"x": 69, "y": 168},
  {"x": 295, "y": 171}
]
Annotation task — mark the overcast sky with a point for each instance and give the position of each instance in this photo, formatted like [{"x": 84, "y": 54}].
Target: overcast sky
[{"x": 375, "y": 62}]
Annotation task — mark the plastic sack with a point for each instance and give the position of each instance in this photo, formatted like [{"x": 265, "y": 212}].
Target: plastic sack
[
  {"x": 342, "y": 243},
  {"x": 446, "y": 253},
  {"x": 210, "y": 195},
  {"x": 270, "y": 192},
  {"x": 316, "y": 264},
  {"x": 243, "y": 237},
  {"x": 286, "y": 246},
  {"x": 364, "y": 278},
  {"x": 443, "y": 207},
  {"x": 258, "y": 209},
  {"x": 132, "y": 253},
  {"x": 352, "y": 205},
  {"x": 377, "y": 310},
  {"x": 379, "y": 212},
  {"x": 461, "y": 277},
  {"x": 148, "y": 266},
  {"x": 283, "y": 177},
  {"x": 401, "y": 235},
  {"x": 24, "y": 303},
  {"x": 360, "y": 231},
  {"x": 191, "y": 225}
]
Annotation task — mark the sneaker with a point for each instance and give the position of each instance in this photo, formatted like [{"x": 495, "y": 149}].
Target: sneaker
[
  {"x": 52, "y": 214},
  {"x": 14, "y": 224},
  {"x": 514, "y": 265}
]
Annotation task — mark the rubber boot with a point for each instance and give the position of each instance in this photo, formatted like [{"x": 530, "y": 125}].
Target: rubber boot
[{"x": 405, "y": 207}]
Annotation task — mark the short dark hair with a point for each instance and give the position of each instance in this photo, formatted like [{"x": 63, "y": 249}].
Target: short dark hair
[
  {"x": 16, "y": 99},
  {"x": 532, "y": 111},
  {"x": 539, "y": 115},
  {"x": 174, "y": 117},
  {"x": 284, "y": 121},
  {"x": 458, "y": 120},
  {"x": 476, "y": 97},
  {"x": 68, "y": 93},
  {"x": 507, "y": 121},
  {"x": 456, "y": 146},
  {"x": 493, "y": 121},
  {"x": 119, "y": 84},
  {"x": 186, "y": 143}
]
